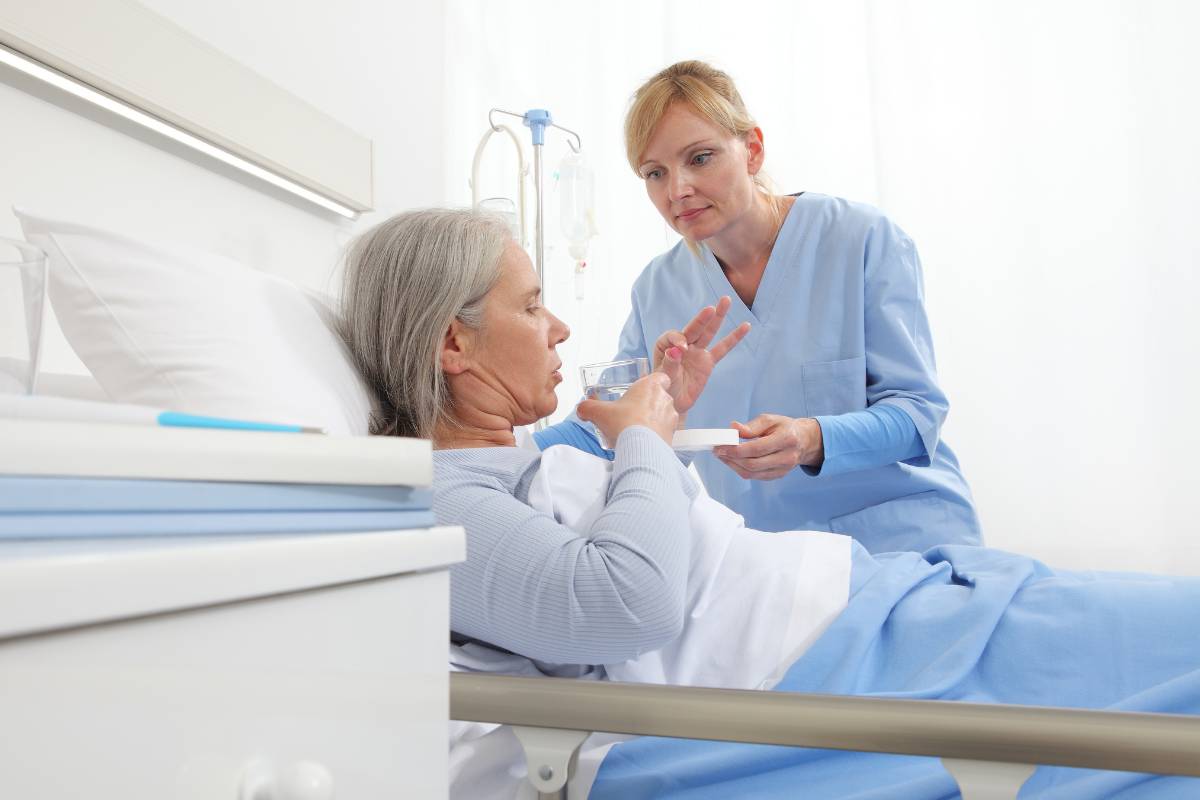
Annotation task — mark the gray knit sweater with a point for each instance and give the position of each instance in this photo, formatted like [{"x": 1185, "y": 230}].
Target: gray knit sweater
[{"x": 540, "y": 589}]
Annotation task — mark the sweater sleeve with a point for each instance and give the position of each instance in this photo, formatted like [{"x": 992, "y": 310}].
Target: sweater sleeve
[{"x": 604, "y": 595}]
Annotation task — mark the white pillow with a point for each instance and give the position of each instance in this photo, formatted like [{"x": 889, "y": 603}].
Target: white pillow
[{"x": 175, "y": 328}]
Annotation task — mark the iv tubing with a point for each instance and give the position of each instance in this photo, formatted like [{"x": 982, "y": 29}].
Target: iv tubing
[{"x": 520, "y": 171}]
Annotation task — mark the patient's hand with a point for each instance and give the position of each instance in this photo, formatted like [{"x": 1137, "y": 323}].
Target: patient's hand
[
  {"x": 686, "y": 357},
  {"x": 646, "y": 403}
]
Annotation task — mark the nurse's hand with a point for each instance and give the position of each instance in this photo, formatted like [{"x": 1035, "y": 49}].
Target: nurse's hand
[
  {"x": 646, "y": 403},
  {"x": 686, "y": 357},
  {"x": 777, "y": 445}
]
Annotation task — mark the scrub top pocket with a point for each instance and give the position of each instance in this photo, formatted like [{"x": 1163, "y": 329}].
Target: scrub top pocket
[{"x": 834, "y": 387}]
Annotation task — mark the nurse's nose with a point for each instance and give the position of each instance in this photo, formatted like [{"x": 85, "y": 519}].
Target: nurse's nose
[{"x": 679, "y": 185}]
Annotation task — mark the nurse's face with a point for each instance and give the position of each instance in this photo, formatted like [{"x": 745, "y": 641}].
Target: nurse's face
[
  {"x": 513, "y": 364},
  {"x": 698, "y": 176}
]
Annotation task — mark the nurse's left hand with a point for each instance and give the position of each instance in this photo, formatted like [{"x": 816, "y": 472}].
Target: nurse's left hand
[
  {"x": 777, "y": 445},
  {"x": 686, "y": 357}
]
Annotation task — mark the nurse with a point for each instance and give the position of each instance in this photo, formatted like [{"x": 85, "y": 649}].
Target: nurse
[{"x": 833, "y": 388}]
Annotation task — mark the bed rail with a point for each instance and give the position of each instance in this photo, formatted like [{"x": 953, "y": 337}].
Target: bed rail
[{"x": 973, "y": 732}]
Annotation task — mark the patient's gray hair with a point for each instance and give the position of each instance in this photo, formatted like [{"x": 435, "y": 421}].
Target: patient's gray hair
[{"x": 405, "y": 281}]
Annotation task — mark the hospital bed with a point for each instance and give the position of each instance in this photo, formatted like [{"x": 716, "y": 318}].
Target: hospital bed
[{"x": 990, "y": 750}]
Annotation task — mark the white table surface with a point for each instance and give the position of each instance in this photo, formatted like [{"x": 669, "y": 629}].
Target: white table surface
[{"x": 52, "y": 584}]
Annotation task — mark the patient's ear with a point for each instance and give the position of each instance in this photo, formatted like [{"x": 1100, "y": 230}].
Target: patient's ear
[{"x": 456, "y": 348}]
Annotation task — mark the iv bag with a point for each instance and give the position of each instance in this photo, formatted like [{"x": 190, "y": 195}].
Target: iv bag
[{"x": 577, "y": 201}]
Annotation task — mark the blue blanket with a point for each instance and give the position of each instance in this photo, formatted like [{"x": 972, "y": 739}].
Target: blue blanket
[{"x": 959, "y": 623}]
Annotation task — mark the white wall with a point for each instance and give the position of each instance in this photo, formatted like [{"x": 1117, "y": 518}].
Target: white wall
[
  {"x": 1043, "y": 158},
  {"x": 347, "y": 60}
]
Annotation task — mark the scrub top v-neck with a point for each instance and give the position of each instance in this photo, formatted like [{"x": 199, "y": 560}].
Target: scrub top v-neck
[{"x": 764, "y": 297}]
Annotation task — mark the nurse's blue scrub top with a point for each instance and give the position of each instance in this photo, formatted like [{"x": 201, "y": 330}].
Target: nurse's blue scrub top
[{"x": 838, "y": 325}]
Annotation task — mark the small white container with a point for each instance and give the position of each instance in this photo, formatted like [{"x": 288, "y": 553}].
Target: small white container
[{"x": 695, "y": 439}]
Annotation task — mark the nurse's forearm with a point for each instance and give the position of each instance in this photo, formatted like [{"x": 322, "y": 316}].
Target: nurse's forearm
[
  {"x": 874, "y": 437},
  {"x": 575, "y": 434},
  {"x": 570, "y": 432}
]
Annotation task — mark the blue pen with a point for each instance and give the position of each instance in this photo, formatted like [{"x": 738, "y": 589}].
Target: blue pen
[{"x": 67, "y": 409}]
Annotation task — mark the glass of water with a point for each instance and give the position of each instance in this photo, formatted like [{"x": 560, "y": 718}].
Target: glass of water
[
  {"x": 609, "y": 380},
  {"x": 22, "y": 301}
]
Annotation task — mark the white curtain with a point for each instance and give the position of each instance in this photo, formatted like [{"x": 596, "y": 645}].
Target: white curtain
[{"x": 1043, "y": 157}]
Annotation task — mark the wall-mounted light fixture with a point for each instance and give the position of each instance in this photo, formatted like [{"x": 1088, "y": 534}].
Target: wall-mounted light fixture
[
  {"x": 119, "y": 56},
  {"x": 75, "y": 88}
]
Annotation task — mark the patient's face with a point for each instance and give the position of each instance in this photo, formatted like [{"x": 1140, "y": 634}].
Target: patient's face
[{"x": 515, "y": 356}]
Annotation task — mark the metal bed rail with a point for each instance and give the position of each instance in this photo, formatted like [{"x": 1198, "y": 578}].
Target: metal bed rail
[{"x": 967, "y": 736}]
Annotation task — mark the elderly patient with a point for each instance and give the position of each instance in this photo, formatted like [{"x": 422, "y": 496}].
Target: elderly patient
[{"x": 627, "y": 570}]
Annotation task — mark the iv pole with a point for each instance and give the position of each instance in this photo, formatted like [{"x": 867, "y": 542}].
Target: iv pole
[{"x": 537, "y": 120}]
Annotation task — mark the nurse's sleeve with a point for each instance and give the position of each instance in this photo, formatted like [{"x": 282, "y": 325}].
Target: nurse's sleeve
[
  {"x": 571, "y": 431},
  {"x": 901, "y": 371},
  {"x": 873, "y": 437}
]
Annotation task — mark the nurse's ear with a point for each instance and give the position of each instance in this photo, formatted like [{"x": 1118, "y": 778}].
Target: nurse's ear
[
  {"x": 755, "y": 151},
  {"x": 457, "y": 346}
]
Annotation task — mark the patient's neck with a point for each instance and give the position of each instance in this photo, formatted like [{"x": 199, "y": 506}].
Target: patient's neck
[{"x": 473, "y": 429}]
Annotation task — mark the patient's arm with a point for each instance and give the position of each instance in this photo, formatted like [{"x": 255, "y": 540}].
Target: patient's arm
[{"x": 541, "y": 589}]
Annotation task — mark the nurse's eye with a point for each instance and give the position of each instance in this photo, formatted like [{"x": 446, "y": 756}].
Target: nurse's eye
[
  {"x": 700, "y": 159},
  {"x": 652, "y": 174}
]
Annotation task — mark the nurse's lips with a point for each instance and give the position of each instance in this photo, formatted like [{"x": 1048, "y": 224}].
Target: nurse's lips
[{"x": 691, "y": 214}]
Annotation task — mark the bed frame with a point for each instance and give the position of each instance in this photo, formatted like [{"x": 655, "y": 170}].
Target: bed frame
[{"x": 990, "y": 750}]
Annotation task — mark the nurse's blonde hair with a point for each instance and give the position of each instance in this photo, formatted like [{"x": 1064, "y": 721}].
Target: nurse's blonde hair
[{"x": 709, "y": 92}]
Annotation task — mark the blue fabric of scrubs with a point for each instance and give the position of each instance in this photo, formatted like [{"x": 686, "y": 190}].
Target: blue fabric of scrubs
[{"x": 838, "y": 326}]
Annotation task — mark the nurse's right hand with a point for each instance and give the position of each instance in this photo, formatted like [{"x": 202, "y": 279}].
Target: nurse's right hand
[
  {"x": 646, "y": 403},
  {"x": 686, "y": 357}
]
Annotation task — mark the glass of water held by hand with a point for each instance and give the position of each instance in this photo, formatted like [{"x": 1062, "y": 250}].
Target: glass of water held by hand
[
  {"x": 609, "y": 380},
  {"x": 22, "y": 300}
]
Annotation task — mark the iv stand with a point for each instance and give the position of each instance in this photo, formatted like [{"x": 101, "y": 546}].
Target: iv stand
[{"x": 537, "y": 120}]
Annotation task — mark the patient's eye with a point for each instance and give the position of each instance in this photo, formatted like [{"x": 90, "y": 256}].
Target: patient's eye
[
  {"x": 700, "y": 159},
  {"x": 652, "y": 174}
]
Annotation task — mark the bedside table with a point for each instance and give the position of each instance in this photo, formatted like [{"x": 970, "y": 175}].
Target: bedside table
[{"x": 251, "y": 668}]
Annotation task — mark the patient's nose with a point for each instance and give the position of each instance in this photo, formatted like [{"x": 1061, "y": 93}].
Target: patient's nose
[{"x": 559, "y": 331}]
